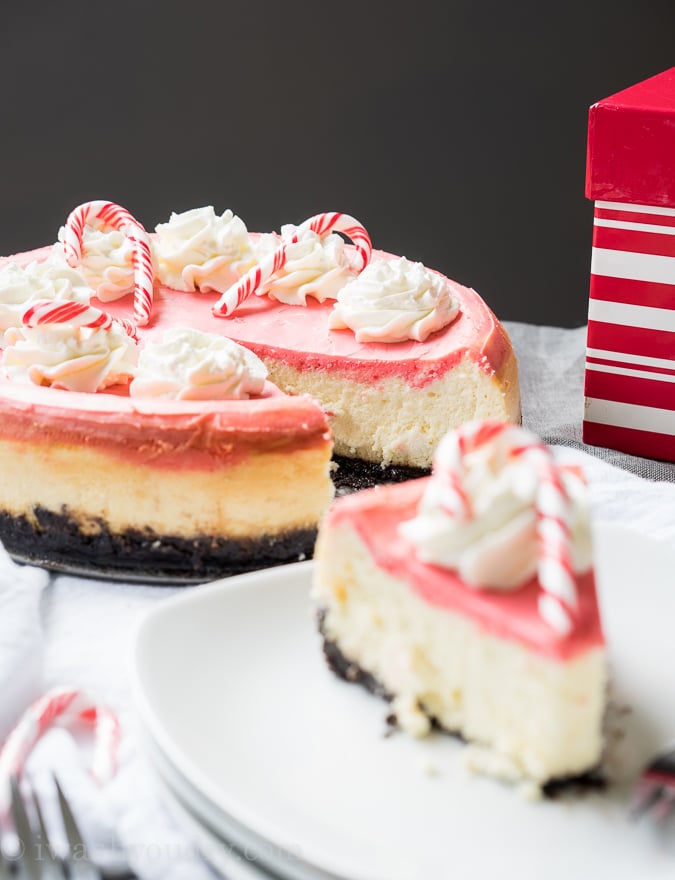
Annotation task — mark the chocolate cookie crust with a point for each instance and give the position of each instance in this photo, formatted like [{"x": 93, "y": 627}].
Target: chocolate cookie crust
[{"x": 59, "y": 541}]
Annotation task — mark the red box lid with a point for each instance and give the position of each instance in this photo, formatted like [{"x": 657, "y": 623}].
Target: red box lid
[{"x": 631, "y": 144}]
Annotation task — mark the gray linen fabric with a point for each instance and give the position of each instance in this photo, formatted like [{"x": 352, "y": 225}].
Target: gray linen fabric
[{"x": 551, "y": 362}]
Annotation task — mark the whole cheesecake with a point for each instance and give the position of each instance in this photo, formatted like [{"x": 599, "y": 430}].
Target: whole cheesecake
[
  {"x": 149, "y": 483},
  {"x": 453, "y": 597}
]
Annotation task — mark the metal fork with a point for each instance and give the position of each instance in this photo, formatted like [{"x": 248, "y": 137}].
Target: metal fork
[
  {"x": 654, "y": 793},
  {"x": 37, "y": 859},
  {"x": 5, "y": 872}
]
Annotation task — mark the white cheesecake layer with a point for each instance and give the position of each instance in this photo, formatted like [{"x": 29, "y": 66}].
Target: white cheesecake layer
[
  {"x": 262, "y": 495},
  {"x": 391, "y": 422},
  {"x": 542, "y": 716}
]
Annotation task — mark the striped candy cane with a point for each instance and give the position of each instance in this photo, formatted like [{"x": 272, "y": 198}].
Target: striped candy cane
[
  {"x": 250, "y": 282},
  {"x": 119, "y": 218},
  {"x": 558, "y": 600},
  {"x": 78, "y": 314},
  {"x": 322, "y": 225},
  {"x": 70, "y": 708},
  {"x": 449, "y": 463}
]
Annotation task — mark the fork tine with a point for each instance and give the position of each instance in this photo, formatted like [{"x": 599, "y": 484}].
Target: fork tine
[
  {"x": 79, "y": 865},
  {"x": 5, "y": 873},
  {"x": 654, "y": 792},
  {"x": 46, "y": 849},
  {"x": 664, "y": 806},
  {"x": 645, "y": 794},
  {"x": 23, "y": 831},
  {"x": 72, "y": 831}
]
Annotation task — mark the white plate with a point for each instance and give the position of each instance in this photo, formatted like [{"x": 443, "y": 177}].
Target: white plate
[
  {"x": 218, "y": 852},
  {"x": 216, "y": 827},
  {"x": 232, "y": 688}
]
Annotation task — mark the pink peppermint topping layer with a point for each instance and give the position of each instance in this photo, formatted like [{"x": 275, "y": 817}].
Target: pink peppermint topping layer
[
  {"x": 301, "y": 338},
  {"x": 376, "y": 516}
]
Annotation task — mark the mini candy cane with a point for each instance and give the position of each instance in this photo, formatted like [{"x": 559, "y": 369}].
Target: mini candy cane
[
  {"x": 70, "y": 708},
  {"x": 558, "y": 602},
  {"x": 81, "y": 315},
  {"x": 250, "y": 282},
  {"x": 118, "y": 218},
  {"x": 449, "y": 463},
  {"x": 322, "y": 225}
]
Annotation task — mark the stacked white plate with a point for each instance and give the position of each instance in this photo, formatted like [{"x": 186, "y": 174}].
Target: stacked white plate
[{"x": 274, "y": 766}]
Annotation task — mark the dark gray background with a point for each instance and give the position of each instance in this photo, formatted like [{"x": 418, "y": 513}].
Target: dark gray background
[{"x": 455, "y": 131}]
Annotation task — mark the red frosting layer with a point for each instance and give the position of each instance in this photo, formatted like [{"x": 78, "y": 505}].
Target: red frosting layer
[
  {"x": 200, "y": 433},
  {"x": 376, "y": 514},
  {"x": 299, "y": 336},
  {"x": 162, "y": 433}
]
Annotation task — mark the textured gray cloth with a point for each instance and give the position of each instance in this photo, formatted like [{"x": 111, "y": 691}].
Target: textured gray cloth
[
  {"x": 551, "y": 362},
  {"x": 625, "y": 490}
]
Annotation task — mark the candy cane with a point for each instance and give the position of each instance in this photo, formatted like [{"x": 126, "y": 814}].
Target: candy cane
[
  {"x": 250, "y": 282},
  {"x": 69, "y": 708},
  {"x": 449, "y": 463},
  {"x": 322, "y": 225},
  {"x": 118, "y": 218},
  {"x": 558, "y": 601},
  {"x": 78, "y": 314}
]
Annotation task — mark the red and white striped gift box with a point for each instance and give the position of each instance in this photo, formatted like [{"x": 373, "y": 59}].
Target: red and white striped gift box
[{"x": 630, "y": 357}]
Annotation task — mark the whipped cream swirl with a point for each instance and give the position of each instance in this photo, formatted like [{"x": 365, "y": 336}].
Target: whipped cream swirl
[
  {"x": 394, "y": 300},
  {"x": 106, "y": 263},
  {"x": 315, "y": 266},
  {"x": 189, "y": 365},
  {"x": 496, "y": 546},
  {"x": 199, "y": 250},
  {"x": 68, "y": 357},
  {"x": 21, "y": 286}
]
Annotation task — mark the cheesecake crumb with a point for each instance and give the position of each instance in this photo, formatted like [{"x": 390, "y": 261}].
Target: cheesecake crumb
[
  {"x": 484, "y": 761},
  {"x": 409, "y": 716},
  {"x": 429, "y": 768}
]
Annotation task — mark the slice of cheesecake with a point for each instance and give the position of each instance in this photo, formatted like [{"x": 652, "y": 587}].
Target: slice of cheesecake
[{"x": 446, "y": 595}]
